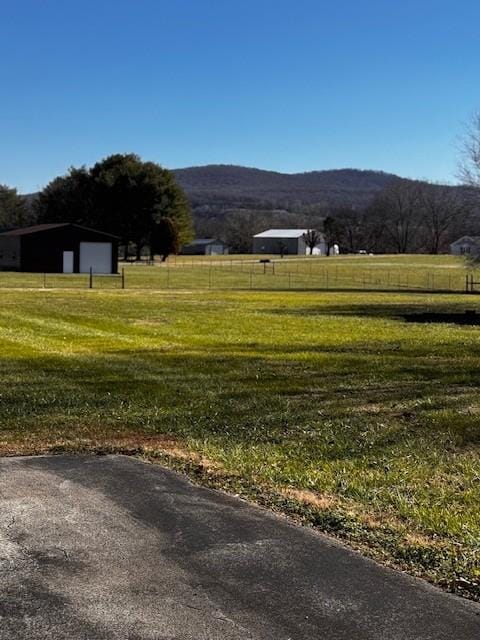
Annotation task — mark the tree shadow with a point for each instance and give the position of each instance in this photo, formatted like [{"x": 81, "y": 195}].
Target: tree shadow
[
  {"x": 244, "y": 399},
  {"x": 396, "y": 311}
]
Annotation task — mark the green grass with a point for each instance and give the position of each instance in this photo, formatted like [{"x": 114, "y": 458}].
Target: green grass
[
  {"x": 418, "y": 272},
  {"x": 368, "y": 273},
  {"x": 328, "y": 406}
]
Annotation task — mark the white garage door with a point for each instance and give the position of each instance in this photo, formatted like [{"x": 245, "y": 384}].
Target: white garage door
[{"x": 96, "y": 256}]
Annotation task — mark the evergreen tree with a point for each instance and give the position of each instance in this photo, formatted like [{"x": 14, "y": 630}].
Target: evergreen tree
[
  {"x": 164, "y": 239},
  {"x": 14, "y": 211},
  {"x": 121, "y": 195}
]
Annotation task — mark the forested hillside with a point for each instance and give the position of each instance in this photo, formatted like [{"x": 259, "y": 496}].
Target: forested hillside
[
  {"x": 360, "y": 210},
  {"x": 228, "y": 186}
]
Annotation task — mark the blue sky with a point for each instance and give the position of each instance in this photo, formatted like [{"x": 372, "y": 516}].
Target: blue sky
[{"x": 287, "y": 86}]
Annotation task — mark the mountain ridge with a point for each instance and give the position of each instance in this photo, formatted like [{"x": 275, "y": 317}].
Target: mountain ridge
[{"x": 235, "y": 185}]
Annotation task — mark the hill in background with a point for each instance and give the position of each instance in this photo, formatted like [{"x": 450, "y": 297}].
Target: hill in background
[
  {"x": 233, "y": 203},
  {"x": 231, "y": 187}
]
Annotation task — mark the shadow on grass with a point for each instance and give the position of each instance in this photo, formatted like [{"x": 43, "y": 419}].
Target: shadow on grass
[
  {"x": 395, "y": 311},
  {"x": 332, "y": 407},
  {"x": 394, "y": 434}
]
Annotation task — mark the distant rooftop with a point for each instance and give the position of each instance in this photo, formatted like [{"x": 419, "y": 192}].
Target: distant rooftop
[
  {"x": 204, "y": 241},
  {"x": 282, "y": 233},
  {"x": 475, "y": 239},
  {"x": 35, "y": 229}
]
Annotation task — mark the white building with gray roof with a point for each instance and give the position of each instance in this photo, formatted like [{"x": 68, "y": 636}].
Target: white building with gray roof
[{"x": 287, "y": 242}]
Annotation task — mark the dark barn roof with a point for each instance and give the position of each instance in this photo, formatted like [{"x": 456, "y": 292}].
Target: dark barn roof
[
  {"x": 40, "y": 228},
  {"x": 45, "y": 247}
]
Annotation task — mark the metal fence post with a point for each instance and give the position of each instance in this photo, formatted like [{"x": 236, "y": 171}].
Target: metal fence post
[
  {"x": 123, "y": 277},
  {"x": 90, "y": 284}
]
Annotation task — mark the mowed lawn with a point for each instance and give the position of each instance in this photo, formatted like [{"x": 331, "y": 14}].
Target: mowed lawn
[
  {"x": 250, "y": 272},
  {"x": 327, "y": 406}
]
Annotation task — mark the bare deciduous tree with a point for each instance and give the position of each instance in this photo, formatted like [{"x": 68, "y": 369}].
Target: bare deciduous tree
[
  {"x": 469, "y": 166},
  {"x": 312, "y": 238},
  {"x": 444, "y": 210},
  {"x": 399, "y": 206},
  {"x": 332, "y": 231}
]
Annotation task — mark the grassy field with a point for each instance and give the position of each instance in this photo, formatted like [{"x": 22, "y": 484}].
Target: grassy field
[
  {"x": 364, "y": 273},
  {"x": 327, "y": 406}
]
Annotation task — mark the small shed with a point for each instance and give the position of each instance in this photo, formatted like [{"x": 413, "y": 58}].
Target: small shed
[
  {"x": 205, "y": 247},
  {"x": 287, "y": 241},
  {"x": 58, "y": 248},
  {"x": 466, "y": 246}
]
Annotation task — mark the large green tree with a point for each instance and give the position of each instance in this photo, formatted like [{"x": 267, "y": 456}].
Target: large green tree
[
  {"x": 68, "y": 198},
  {"x": 14, "y": 210},
  {"x": 164, "y": 239},
  {"x": 120, "y": 194}
]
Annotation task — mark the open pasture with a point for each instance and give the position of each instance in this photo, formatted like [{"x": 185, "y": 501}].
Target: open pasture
[{"x": 356, "y": 272}]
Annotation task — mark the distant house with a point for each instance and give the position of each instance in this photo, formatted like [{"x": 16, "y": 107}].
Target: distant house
[
  {"x": 466, "y": 246},
  {"x": 286, "y": 241},
  {"x": 205, "y": 247},
  {"x": 58, "y": 248}
]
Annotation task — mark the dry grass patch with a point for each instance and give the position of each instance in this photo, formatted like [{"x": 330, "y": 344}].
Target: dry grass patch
[{"x": 321, "y": 502}]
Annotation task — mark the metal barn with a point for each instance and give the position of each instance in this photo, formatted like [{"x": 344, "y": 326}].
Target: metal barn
[
  {"x": 58, "y": 248},
  {"x": 205, "y": 247},
  {"x": 286, "y": 241}
]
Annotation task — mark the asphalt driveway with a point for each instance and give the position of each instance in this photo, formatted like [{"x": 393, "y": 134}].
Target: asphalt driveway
[{"x": 112, "y": 548}]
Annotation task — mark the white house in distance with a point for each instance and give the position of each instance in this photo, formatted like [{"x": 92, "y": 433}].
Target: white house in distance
[
  {"x": 287, "y": 241},
  {"x": 466, "y": 246}
]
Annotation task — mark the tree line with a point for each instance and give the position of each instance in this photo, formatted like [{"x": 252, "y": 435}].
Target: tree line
[
  {"x": 138, "y": 201},
  {"x": 407, "y": 216}
]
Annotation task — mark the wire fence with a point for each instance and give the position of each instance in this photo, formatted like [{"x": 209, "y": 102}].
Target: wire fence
[{"x": 250, "y": 275}]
